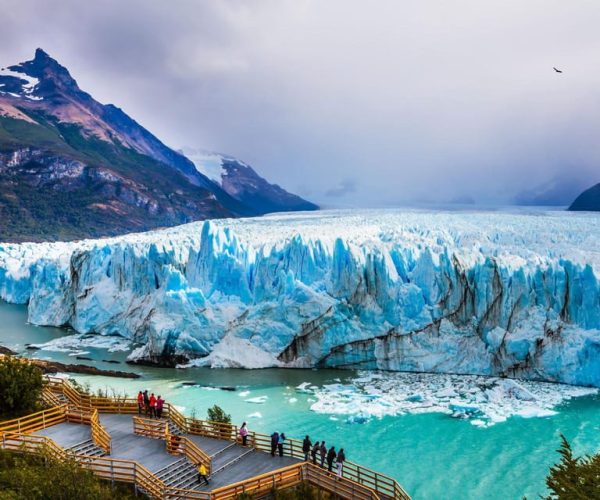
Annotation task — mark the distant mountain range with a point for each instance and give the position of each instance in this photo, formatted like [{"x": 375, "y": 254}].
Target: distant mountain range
[
  {"x": 559, "y": 191},
  {"x": 71, "y": 167}
]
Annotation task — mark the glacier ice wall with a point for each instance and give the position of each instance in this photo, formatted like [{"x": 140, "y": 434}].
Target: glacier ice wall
[{"x": 480, "y": 293}]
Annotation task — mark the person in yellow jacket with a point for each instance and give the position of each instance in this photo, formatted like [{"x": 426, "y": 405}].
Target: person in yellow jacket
[{"x": 202, "y": 473}]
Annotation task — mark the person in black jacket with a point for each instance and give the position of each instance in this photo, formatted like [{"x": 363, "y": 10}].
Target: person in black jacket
[
  {"x": 323, "y": 451},
  {"x": 314, "y": 452},
  {"x": 306, "y": 444},
  {"x": 280, "y": 443},
  {"x": 340, "y": 459},
  {"x": 274, "y": 441},
  {"x": 330, "y": 458}
]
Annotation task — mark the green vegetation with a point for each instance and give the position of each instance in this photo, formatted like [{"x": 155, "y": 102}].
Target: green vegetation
[
  {"x": 574, "y": 478},
  {"x": 21, "y": 385},
  {"x": 217, "y": 414},
  {"x": 35, "y": 206},
  {"x": 33, "y": 477}
]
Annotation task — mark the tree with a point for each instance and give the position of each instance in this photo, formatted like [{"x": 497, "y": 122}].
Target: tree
[
  {"x": 217, "y": 414},
  {"x": 21, "y": 385},
  {"x": 574, "y": 478},
  {"x": 221, "y": 425}
]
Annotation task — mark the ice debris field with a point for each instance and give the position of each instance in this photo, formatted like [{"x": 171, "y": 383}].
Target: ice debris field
[
  {"x": 483, "y": 401},
  {"x": 485, "y": 293}
]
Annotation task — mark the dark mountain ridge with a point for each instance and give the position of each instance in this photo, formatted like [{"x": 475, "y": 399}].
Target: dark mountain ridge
[{"x": 71, "y": 167}]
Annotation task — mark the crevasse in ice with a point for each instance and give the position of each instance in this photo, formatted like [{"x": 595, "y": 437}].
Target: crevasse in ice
[{"x": 480, "y": 292}]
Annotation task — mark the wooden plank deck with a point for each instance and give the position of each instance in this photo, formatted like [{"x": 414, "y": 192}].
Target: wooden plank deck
[
  {"x": 237, "y": 462},
  {"x": 252, "y": 464},
  {"x": 67, "y": 434},
  {"x": 151, "y": 453}
]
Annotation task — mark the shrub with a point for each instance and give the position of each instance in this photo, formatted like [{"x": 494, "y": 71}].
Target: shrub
[
  {"x": 574, "y": 478},
  {"x": 35, "y": 477},
  {"x": 21, "y": 385},
  {"x": 217, "y": 414}
]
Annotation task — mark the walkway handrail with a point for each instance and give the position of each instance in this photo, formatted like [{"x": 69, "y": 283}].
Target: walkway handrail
[
  {"x": 35, "y": 421},
  {"x": 149, "y": 428},
  {"x": 176, "y": 417},
  {"x": 100, "y": 435},
  {"x": 181, "y": 445},
  {"x": 17, "y": 441}
]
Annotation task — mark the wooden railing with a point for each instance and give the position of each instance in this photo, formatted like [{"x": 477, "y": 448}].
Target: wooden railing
[
  {"x": 345, "y": 488},
  {"x": 100, "y": 435},
  {"x": 35, "y": 421},
  {"x": 155, "y": 429},
  {"x": 181, "y": 445},
  {"x": 49, "y": 397},
  {"x": 29, "y": 443}
]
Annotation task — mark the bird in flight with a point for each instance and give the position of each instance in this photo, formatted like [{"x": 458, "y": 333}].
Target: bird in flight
[{"x": 557, "y": 70}]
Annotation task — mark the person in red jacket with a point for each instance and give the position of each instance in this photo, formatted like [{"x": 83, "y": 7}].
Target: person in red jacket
[
  {"x": 160, "y": 402},
  {"x": 140, "y": 401},
  {"x": 152, "y": 405}
]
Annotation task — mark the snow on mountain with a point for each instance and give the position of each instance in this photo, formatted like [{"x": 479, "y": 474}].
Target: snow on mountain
[
  {"x": 481, "y": 293},
  {"x": 240, "y": 181},
  {"x": 207, "y": 163},
  {"x": 21, "y": 84}
]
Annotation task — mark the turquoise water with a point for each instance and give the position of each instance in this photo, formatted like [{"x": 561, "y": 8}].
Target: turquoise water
[{"x": 432, "y": 455}]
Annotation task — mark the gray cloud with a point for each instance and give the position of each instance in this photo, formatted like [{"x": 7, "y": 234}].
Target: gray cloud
[{"x": 421, "y": 100}]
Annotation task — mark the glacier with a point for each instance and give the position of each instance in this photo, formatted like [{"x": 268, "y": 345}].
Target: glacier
[{"x": 483, "y": 293}]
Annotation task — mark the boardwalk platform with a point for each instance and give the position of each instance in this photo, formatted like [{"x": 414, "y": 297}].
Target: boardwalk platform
[
  {"x": 161, "y": 457},
  {"x": 236, "y": 463},
  {"x": 67, "y": 434}
]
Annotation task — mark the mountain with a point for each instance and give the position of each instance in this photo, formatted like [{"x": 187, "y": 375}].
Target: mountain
[
  {"x": 239, "y": 180},
  {"x": 71, "y": 167},
  {"x": 589, "y": 200}
]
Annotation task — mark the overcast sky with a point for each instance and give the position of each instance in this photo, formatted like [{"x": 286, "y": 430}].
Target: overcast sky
[{"x": 348, "y": 103}]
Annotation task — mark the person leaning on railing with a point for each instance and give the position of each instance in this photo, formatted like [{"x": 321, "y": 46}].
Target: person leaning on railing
[{"x": 244, "y": 434}]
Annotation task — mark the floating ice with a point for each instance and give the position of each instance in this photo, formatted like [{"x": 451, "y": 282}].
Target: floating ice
[
  {"x": 483, "y": 400},
  {"x": 259, "y": 400},
  {"x": 243, "y": 394},
  {"x": 256, "y": 414}
]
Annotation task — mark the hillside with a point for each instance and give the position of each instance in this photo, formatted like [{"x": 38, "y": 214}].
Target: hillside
[{"x": 71, "y": 167}]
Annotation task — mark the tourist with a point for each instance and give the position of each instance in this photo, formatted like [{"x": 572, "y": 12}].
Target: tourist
[
  {"x": 146, "y": 402},
  {"x": 152, "y": 404},
  {"x": 314, "y": 452},
  {"x": 306, "y": 444},
  {"x": 274, "y": 441},
  {"x": 244, "y": 434},
  {"x": 140, "y": 402},
  {"x": 330, "y": 458},
  {"x": 280, "y": 444},
  {"x": 341, "y": 458},
  {"x": 160, "y": 402},
  {"x": 202, "y": 473},
  {"x": 323, "y": 450}
]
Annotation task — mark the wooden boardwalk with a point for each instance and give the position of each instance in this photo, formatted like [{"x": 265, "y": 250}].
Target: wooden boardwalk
[
  {"x": 232, "y": 462},
  {"x": 161, "y": 457}
]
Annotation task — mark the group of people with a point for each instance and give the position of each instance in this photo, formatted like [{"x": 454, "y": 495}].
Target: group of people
[
  {"x": 320, "y": 448},
  {"x": 312, "y": 450},
  {"x": 151, "y": 405}
]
